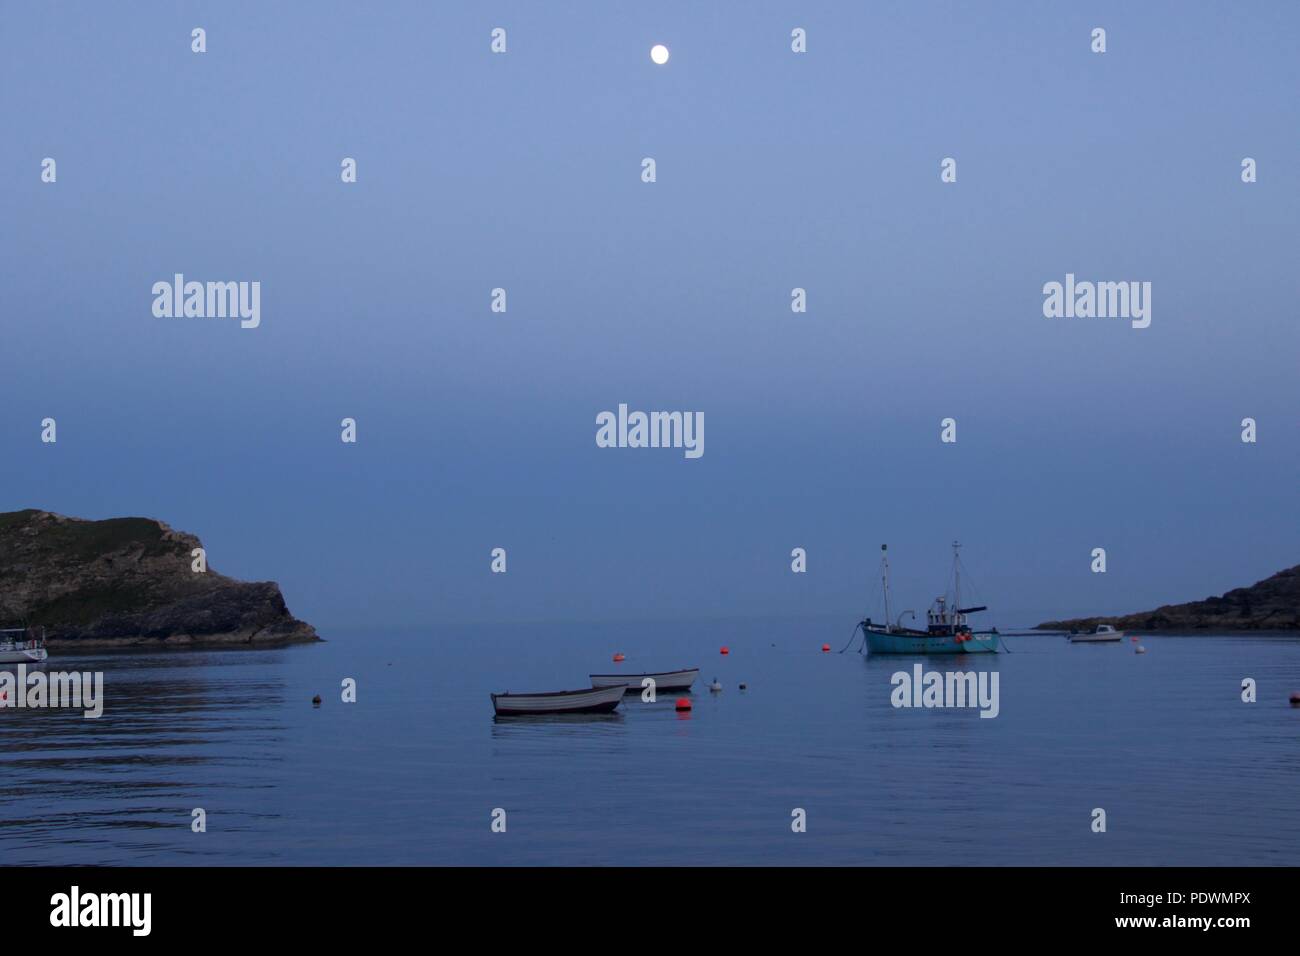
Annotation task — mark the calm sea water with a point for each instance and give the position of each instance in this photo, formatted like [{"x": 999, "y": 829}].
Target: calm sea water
[{"x": 410, "y": 773}]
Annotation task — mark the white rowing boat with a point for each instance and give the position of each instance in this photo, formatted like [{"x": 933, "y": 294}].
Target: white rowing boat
[
  {"x": 593, "y": 700},
  {"x": 664, "y": 680},
  {"x": 22, "y": 645}
]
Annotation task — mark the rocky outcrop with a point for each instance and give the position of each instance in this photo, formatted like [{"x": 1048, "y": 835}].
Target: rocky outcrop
[
  {"x": 1270, "y": 605},
  {"x": 129, "y": 581}
]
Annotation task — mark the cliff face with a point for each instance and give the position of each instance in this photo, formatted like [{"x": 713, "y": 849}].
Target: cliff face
[
  {"x": 1270, "y": 605},
  {"x": 129, "y": 581}
]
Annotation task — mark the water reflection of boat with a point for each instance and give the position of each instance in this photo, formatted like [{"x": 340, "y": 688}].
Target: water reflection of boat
[{"x": 22, "y": 645}]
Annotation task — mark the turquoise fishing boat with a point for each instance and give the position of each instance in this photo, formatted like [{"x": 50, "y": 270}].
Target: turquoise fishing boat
[{"x": 947, "y": 630}]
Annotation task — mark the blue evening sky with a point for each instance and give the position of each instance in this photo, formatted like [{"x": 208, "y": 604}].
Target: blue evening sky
[{"x": 775, "y": 170}]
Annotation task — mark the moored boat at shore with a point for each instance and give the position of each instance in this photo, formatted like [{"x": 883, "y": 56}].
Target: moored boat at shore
[{"x": 22, "y": 645}]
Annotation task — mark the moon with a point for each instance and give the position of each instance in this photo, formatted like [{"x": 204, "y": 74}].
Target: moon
[{"x": 659, "y": 53}]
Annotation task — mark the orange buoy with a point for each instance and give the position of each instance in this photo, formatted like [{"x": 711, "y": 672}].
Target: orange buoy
[
  {"x": 683, "y": 703},
  {"x": 725, "y": 650},
  {"x": 825, "y": 648},
  {"x": 618, "y": 658}
]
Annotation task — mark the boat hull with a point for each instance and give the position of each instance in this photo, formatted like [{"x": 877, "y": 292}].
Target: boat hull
[
  {"x": 664, "y": 680},
  {"x": 595, "y": 700},
  {"x": 884, "y": 642},
  {"x": 23, "y": 655}
]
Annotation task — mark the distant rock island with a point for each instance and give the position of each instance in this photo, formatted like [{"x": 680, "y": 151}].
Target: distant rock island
[
  {"x": 127, "y": 581},
  {"x": 1270, "y": 605}
]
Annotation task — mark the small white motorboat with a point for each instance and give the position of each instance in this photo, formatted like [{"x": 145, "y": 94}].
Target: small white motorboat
[
  {"x": 1102, "y": 633},
  {"x": 593, "y": 700},
  {"x": 664, "y": 680},
  {"x": 22, "y": 645}
]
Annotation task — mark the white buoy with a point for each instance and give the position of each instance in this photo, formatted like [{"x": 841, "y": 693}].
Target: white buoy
[
  {"x": 715, "y": 686},
  {"x": 1140, "y": 650}
]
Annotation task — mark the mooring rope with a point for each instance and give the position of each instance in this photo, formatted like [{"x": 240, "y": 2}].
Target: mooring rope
[{"x": 852, "y": 637}]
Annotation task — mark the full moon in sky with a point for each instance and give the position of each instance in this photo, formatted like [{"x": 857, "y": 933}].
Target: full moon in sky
[{"x": 659, "y": 53}]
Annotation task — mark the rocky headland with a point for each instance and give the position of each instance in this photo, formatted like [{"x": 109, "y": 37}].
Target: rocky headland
[
  {"x": 129, "y": 581},
  {"x": 1269, "y": 605}
]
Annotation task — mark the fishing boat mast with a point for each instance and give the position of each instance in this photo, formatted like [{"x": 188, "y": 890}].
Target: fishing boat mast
[
  {"x": 956, "y": 591},
  {"x": 884, "y": 571}
]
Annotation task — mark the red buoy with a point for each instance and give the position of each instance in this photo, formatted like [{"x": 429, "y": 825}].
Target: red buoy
[
  {"x": 825, "y": 648},
  {"x": 726, "y": 650},
  {"x": 683, "y": 703},
  {"x": 618, "y": 658}
]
